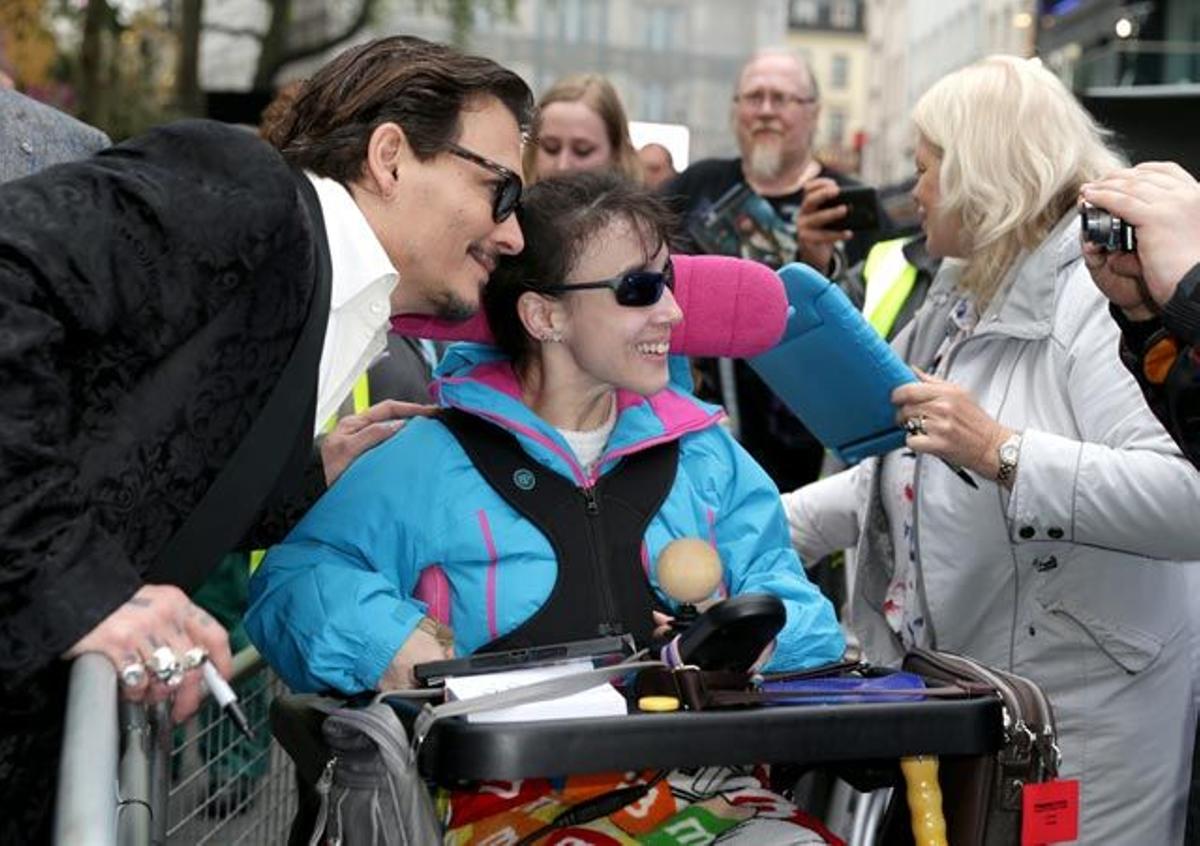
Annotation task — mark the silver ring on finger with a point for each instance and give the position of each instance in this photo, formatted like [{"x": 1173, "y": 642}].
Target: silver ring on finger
[
  {"x": 133, "y": 674},
  {"x": 194, "y": 657},
  {"x": 915, "y": 425},
  {"x": 164, "y": 663},
  {"x": 175, "y": 679}
]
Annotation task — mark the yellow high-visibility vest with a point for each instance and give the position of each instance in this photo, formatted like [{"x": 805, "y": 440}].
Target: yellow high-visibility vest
[{"x": 889, "y": 279}]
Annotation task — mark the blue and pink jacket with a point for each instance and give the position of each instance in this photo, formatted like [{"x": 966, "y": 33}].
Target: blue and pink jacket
[{"x": 332, "y": 604}]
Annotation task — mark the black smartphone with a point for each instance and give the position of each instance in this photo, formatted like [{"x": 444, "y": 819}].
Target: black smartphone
[
  {"x": 863, "y": 212},
  {"x": 603, "y": 650}
]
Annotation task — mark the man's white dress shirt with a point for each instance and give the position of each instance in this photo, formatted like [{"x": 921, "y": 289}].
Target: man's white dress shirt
[{"x": 359, "y": 304}]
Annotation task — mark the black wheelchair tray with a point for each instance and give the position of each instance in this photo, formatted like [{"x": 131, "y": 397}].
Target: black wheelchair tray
[{"x": 807, "y": 734}]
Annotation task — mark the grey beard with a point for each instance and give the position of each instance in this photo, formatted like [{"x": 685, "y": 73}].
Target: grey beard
[{"x": 765, "y": 161}]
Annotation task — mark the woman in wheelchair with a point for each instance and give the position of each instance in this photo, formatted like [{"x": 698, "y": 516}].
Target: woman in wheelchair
[{"x": 530, "y": 510}]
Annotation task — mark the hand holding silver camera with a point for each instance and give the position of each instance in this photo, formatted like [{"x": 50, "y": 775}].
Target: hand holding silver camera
[
  {"x": 1161, "y": 201},
  {"x": 1104, "y": 229}
]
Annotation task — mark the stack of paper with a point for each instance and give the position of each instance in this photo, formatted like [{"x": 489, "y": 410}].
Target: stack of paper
[{"x": 603, "y": 700}]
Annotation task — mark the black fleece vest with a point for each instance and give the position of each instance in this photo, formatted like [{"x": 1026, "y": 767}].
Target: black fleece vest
[{"x": 596, "y": 533}]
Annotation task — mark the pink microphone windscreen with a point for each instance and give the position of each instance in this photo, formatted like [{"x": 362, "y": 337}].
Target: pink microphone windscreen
[{"x": 731, "y": 307}]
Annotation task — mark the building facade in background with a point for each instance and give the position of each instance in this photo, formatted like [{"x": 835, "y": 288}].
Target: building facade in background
[
  {"x": 673, "y": 61},
  {"x": 832, "y": 36},
  {"x": 1136, "y": 66},
  {"x": 1111, "y": 44},
  {"x": 912, "y": 44}
]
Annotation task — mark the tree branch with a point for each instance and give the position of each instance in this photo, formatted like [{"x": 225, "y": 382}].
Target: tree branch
[
  {"x": 236, "y": 31},
  {"x": 268, "y": 71}
]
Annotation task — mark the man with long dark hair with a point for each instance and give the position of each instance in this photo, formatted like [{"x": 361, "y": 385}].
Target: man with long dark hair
[{"x": 176, "y": 313}]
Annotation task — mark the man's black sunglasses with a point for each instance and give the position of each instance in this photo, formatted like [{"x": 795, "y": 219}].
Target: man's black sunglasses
[
  {"x": 635, "y": 288},
  {"x": 508, "y": 190}
]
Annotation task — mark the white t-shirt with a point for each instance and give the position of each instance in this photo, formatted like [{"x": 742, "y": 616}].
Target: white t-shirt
[{"x": 589, "y": 446}]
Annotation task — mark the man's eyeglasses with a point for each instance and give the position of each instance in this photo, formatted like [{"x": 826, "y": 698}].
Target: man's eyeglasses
[
  {"x": 635, "y": 288},
  {"x": 507, "y": 195},
  {"x": 776, "y": 99}
]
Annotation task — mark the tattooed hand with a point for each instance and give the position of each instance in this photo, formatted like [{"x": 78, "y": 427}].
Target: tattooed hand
[{"x": 159, "y": 615}]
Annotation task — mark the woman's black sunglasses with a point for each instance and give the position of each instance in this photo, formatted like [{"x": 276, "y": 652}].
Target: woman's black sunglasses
[
  {"x": 635, "y": 288},
  {"x": 507, "y": 195}
]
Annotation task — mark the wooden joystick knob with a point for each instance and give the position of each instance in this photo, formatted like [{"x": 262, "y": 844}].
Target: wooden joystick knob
[{"x": 689, "y": 569}]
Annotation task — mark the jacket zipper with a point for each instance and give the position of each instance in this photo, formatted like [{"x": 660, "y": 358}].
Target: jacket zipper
[
  {"x": 323, "y": 787},
  {"x": 916, "y": 562},
  {"x": 599, "y": 571},
  {"x": 589, "y": 494},
  {"x": 951, "y": 354}
]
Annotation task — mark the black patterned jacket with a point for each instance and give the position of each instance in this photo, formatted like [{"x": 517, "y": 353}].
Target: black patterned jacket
[{"x": 149, "y": 298}]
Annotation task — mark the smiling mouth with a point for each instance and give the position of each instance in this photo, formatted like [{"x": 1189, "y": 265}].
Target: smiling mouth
[
  {"x": 484, "y": 260},
  {"x": 656, "y": 350}
]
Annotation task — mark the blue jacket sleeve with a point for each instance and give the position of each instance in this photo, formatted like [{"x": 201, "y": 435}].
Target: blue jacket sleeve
[
  {"x": 332, "y": 604},
  {"x": 755, "y": 547}
]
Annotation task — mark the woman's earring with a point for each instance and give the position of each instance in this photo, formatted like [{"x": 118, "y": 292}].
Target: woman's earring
[{"x": 552, "y": 337}]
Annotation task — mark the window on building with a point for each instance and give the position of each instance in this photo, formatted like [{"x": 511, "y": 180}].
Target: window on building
[
  {"x": 653, "y": 102},
  {"x": 665, "y": 27},
  {"x": 574, "y": 21},
  {"x": 843, "y": 14},
  {"x": 835, "y": 127},
  {"x": 802, "y": 13},
  {"x": 839, "y": 76},
  {"x": 578, "y": 21}
]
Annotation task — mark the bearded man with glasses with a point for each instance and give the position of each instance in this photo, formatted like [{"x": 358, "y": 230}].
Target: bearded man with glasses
[
  {"x": 178, "y": 314},
  {"x": 765, "y": 205}
]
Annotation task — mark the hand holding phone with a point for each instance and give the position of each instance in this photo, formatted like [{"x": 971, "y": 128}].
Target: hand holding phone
[
  {"x": 862, "y": 208},
  {"x": 815, "y": 239}
]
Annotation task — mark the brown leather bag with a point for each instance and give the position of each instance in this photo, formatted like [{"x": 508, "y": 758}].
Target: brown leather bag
[{"x": 982, "y": 795}]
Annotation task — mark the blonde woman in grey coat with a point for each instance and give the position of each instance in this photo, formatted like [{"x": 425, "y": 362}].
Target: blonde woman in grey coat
[{"x": 1065, "y": 564}]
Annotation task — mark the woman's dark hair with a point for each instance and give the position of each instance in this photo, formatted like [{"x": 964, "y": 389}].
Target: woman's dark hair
[
  {"x": 420, "y": 85},
  {"x": 558, "y": 216}
]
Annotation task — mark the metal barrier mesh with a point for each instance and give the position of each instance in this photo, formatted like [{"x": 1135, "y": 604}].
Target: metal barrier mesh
[{"x": 224, "y": 788}]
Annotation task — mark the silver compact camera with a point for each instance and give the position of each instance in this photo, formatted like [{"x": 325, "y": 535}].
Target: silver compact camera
[{"x": 1105, "y": 229}]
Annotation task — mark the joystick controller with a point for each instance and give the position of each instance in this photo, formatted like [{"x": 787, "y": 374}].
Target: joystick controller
[
  {"x": 689, "y": 570},
  {"x": 729, "y": 634}
]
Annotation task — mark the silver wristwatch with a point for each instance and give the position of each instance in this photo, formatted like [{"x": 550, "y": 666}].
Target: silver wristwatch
[{"x": 1008, "y": 453}]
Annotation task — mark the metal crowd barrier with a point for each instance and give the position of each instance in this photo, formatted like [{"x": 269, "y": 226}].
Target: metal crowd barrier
[{"x": 128, "y": 778}]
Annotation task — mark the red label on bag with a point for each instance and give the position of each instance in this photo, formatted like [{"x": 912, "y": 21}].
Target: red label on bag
[{"x": 1049, "y": 813}]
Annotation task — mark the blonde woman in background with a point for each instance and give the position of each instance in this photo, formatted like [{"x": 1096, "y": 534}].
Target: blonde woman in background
[
  {"x": 1063, "y": 565},
  {"x": 580, "y": 125}
]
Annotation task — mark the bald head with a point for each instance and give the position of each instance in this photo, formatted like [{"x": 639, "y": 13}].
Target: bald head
[
  {"x": 657, "y": 164},
  {"x": 783, "y": 61},
  {"x": 775, "y": 111}
]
